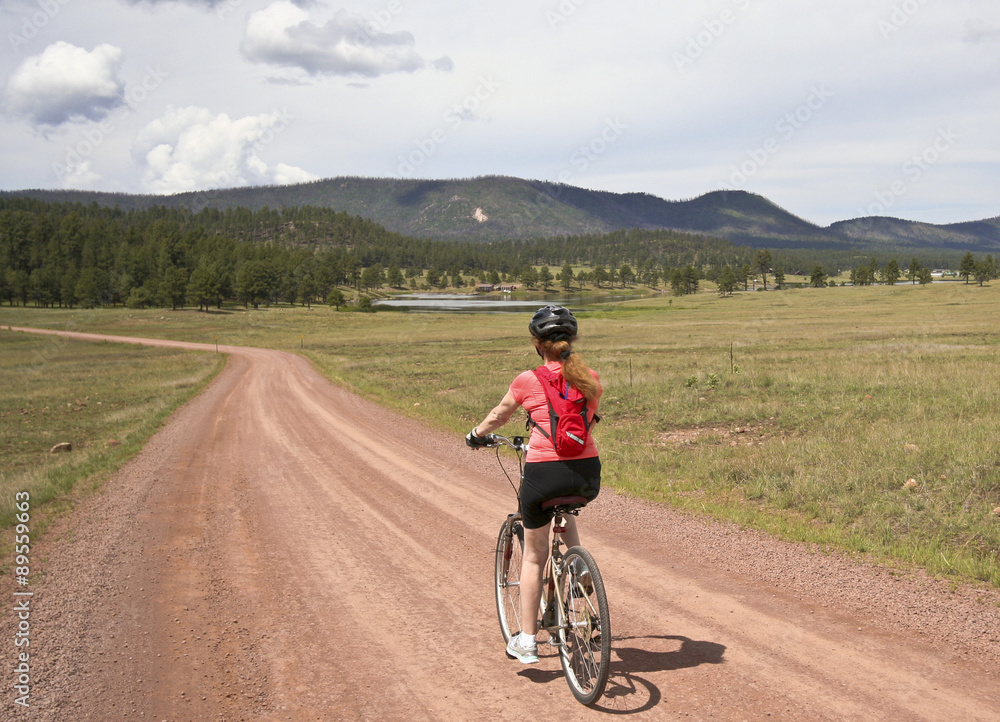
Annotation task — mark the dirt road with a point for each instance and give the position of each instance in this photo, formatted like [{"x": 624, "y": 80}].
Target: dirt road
[{"x": 284, "y": 550}]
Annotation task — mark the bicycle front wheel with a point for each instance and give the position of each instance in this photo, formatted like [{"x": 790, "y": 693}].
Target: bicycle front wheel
[
  {"x": 510, "y": 549},
  {"x": 585, "y": 651}
]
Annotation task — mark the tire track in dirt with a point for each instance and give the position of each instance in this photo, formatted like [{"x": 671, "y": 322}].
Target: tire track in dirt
[{"x": 285, "y": 550}]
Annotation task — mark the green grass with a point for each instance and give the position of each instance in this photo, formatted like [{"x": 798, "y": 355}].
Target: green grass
[
  {"x": 106, "y": 399},
  {"x": 838, "y": 397}
]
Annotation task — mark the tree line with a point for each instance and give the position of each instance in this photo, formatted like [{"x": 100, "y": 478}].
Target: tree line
[
  {"x": 866, "y": 273},
  {"x": 70, "y": 254}
]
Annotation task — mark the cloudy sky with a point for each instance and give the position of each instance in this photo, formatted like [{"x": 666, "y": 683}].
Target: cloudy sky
[{"x": 833, "y": 110}]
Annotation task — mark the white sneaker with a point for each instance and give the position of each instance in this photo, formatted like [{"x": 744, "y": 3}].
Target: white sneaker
[{"x": 527, "y": 655}]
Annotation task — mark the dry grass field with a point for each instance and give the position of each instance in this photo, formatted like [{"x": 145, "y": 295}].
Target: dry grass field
[{"x": 858, "y": 419}]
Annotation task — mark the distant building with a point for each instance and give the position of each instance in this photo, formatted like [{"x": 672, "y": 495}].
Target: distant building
[
  {"x": 509, "y": 287},
  {"x": 484, "y": 288}
]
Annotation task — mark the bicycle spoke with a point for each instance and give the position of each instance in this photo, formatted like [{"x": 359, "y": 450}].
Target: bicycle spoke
[
  {"x": 510, "y": 545},
  {"x": 586, "y": 653}
]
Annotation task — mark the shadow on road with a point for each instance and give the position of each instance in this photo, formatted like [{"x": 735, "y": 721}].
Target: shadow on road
[{"x": 627, "y": 692}]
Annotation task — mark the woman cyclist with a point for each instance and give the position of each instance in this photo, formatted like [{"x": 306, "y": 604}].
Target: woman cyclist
[{"x": 546, "y": 474}]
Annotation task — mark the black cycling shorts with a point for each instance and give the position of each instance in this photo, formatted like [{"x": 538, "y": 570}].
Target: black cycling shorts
[{"x": 544, "y": 480}]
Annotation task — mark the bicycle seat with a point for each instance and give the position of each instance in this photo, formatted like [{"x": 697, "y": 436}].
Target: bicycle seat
[{"x": 567, "y": 502}]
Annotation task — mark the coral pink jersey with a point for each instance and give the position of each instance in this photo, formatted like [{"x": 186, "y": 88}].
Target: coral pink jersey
[{"x": 527, "y": 390}]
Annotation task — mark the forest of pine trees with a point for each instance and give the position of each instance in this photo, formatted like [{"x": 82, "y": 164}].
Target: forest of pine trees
[{"x": 69, "y": 255}]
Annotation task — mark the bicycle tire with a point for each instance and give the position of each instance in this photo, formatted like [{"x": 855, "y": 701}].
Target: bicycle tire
[
  {"x": 585, "y": 649},
  {"x": 510, "y": 550}
]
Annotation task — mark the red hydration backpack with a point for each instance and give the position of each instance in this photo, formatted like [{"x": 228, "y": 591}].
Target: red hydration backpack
[{"x": 568, "y": 423}]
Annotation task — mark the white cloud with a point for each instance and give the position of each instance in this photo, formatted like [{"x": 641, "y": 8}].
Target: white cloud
[
  {"x": 197, "y": 3},
  {"x": 285, "y": 174},
  {"x": 283, "y": 34},
  {"x": 687, "y": 128},
  {"x": 66, "y": 83},
  {"x": 80, "y": 176},
  {"x": 224, "y": 7},
  {"x": 192, "y": 149},
  {"x": 444, "y": 64}
]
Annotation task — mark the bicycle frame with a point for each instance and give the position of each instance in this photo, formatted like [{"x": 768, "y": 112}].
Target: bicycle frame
[
  {"x": 553, "y": 567},
  {"x": 573, "y": 607},
  {"x": 552, "y": 598}
]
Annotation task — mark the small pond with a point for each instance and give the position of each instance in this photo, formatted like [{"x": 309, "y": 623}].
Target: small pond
[{"x": 475, "y": 303}]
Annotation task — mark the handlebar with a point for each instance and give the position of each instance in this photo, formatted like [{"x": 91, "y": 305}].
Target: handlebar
[
  {"x": 517, "y": 443},
  {"x": 520, "y": 446}
]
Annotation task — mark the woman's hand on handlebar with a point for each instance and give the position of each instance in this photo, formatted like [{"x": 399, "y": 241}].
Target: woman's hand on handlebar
[{"x": 478, "y": 442}]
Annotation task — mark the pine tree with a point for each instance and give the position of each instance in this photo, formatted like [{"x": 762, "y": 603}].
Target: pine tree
[
  {"x": 200, "y": 289},
  {"x": 395, "y": 277},
  {"x": 744, "y": 276},
  {"x": 626, "y": 275},
  {"x": 726, "y": 281},
  {"x": 335, "y": 298},
  {"x": 967, "y": 267},
  {"x": 890, "y": 274},
  {"x": 307, "y": 290},
  {"x": 88, "y": 288},
  {"x": 255, "y": 282},
  {"x": 763, "y": 264},
  {"x": 566, "y": 276},
  {"x": 173, "y": 287}
]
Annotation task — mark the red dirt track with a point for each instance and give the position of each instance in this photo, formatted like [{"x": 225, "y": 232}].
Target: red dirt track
[{"x": 284, "y": 550}]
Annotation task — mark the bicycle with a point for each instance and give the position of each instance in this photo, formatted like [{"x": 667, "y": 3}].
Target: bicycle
[{"x": 574, "y": 607}]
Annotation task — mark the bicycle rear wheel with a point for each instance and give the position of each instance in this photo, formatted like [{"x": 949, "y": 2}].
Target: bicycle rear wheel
[
  {"x": 585, "y": 651},
  {"x": 510, "y": 549}
]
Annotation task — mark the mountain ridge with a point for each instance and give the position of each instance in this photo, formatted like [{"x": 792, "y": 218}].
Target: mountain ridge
[{"x": 488, "y": 208}]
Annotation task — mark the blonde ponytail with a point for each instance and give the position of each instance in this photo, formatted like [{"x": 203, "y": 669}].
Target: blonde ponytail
[{"x": 574, "y": 369}]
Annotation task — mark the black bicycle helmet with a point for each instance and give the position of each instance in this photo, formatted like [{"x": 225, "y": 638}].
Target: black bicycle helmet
[{"x": 549, "y": 321}]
